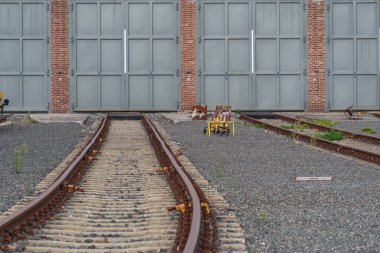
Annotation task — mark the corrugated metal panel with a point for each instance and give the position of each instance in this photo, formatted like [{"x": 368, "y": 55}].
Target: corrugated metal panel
[
  {"x": 353, "y": 54},
  {"x": 125, "y": 55},
  {"x": 252, "y": 54},
  {"x": 24, "y": 57}
]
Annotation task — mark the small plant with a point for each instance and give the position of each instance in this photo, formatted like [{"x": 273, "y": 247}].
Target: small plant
[
  {"x": 263, "y": 216},
  {"x": 324, "y": 122},
  {"x": 18, "y": 158},
  {"x": 27, "y": 120},
  {"x": 245, "y": 123},
  {"x": 258, "y": 125},
  {"x": 331, "y": 136},
  {"x": 292, "y": 136},
  {"x": 368, "y": 130},
  {"x": 219, "y": 170},
  {"x": 300, "y": 127},
  {"x": 238, "y": 111},
  {"x": 313, "y": 139}
]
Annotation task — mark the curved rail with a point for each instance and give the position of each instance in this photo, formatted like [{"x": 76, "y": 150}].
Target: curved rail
[
  {"x": 3, "y": 118},
  {"x": 38, "y": 210},
  {"x": 339, "y": 148},
  {"x": 359, "y": 137},
  {"x": 195, "y": 229}
]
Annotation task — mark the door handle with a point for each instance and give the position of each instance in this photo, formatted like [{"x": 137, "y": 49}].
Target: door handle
[
  {"x": 125, "y": 51},
  {"x": 252, "y": 53}
]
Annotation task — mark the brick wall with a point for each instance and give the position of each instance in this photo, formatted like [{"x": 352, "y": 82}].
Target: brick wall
[
  {"x": 188, "y": 53},
  {"x": 316, "y": 97},
  {"x": 59, "y": 56}
]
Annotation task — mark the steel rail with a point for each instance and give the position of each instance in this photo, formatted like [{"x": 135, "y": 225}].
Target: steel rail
[
  {"x": 42, "y": 205},
  {"x": 3, "y": 118},
  {"x": 359, "y": 137},
  {"x": 339, "y": 148},
  {"x": 193, "y": 239}
]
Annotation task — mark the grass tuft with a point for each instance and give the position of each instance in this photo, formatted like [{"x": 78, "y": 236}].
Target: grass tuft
[
  {"x": 27, "y": 120},
  {"x": 324, "y": 122},
  {"x": 331, "y": 136},
  {"x": 263, "y": 216},
  {"x": 18, "y": 158},
  {"x": 299, "y": 127},
  {"x": 368, "y": 130}
]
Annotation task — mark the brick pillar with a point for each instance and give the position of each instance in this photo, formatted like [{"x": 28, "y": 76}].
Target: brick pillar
[
  {"x": 316, "y": 101},
  {"x": 188, "y": 53},
  {"x": 59, "y": 56}
]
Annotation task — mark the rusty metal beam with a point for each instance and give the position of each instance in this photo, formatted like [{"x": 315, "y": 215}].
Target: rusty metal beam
[{"x": 194, "y": 236}]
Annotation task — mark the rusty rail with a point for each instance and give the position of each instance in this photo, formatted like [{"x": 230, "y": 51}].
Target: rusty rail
[
  {"x": 339, "y": 148},
  {"x": 194, "y": 229},
  {"x": 359, "y": 137},
  {"x": 197, "y": 237},
  {"x": 3, "y": 118},
  {"x": 36, "y": 212}
]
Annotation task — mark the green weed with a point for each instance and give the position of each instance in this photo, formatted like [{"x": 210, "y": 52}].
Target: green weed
[
  {"x": 298, "y": 127},
  {"x": 263, "y": 216},
  {"x": 368, "y": 130},
  {"x": 219, "y": 169},
  {"x": 27, "y": 120},
  {"x": 331, "y": 136},
  {"x": 324, "y": 122},
  {"x": 313, "y": 140},
  {"x": 18, "y": 158},
  {"x": 258, "y": 125}
]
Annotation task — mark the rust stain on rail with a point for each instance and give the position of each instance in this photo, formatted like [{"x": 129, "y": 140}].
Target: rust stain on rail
[{"x": 42, "y": 208}]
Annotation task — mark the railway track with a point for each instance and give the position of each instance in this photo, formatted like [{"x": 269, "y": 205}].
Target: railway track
[
  {"x": 128, "y": 186},
  {"x": 3, "y": 118},
  {"x": 360, "y": 146}
]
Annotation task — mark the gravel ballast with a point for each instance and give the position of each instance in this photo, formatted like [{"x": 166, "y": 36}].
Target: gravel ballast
[
  {"x": 255, "y": 170},
  {"x": 357, "y": 125},
  {"x": 48, "y": 144}
]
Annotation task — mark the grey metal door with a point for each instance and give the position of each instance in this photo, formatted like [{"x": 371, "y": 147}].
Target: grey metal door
[
  {"x": 24, "y": 42},
  {"x": 225, "y": 46},
  {"x": 252, "y": 54},
  {"x": 152, "y": 55},
  {"x": 279, "y": 69},
  {"x": 353, "y": 71},
  {"x": 125, "y": 55},
  {"x": 97, "y": 46}
]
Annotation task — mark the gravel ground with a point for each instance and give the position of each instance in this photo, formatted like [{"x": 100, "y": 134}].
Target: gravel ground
[
  {"x": 356, "y": 126},
  {"x": 48, "y": 144},
  {"x": 255, "y": 170}
]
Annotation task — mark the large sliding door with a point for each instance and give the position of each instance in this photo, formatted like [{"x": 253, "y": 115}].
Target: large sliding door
[
  {"x": 125, "y": 55},
  {"x": 252, "y": 54},
  {"x": 353, "y": 72},
  {"x": 24, "y": 67},
  {"x": 225, "y": 59}
]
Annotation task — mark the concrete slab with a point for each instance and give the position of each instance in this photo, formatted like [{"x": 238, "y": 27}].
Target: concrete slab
[
  {"x": 55, "y": 117},
  {"x": 178, "y": 116}
]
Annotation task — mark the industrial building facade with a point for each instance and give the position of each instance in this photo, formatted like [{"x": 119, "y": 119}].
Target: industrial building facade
[{"x": 167, "y": 55}]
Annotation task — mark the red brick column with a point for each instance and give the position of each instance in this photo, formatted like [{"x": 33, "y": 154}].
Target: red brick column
[
  {"x": 188, "y": 53},
  {"x": 316, "y": 101},
  {"x": 59, "y": 56}
]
